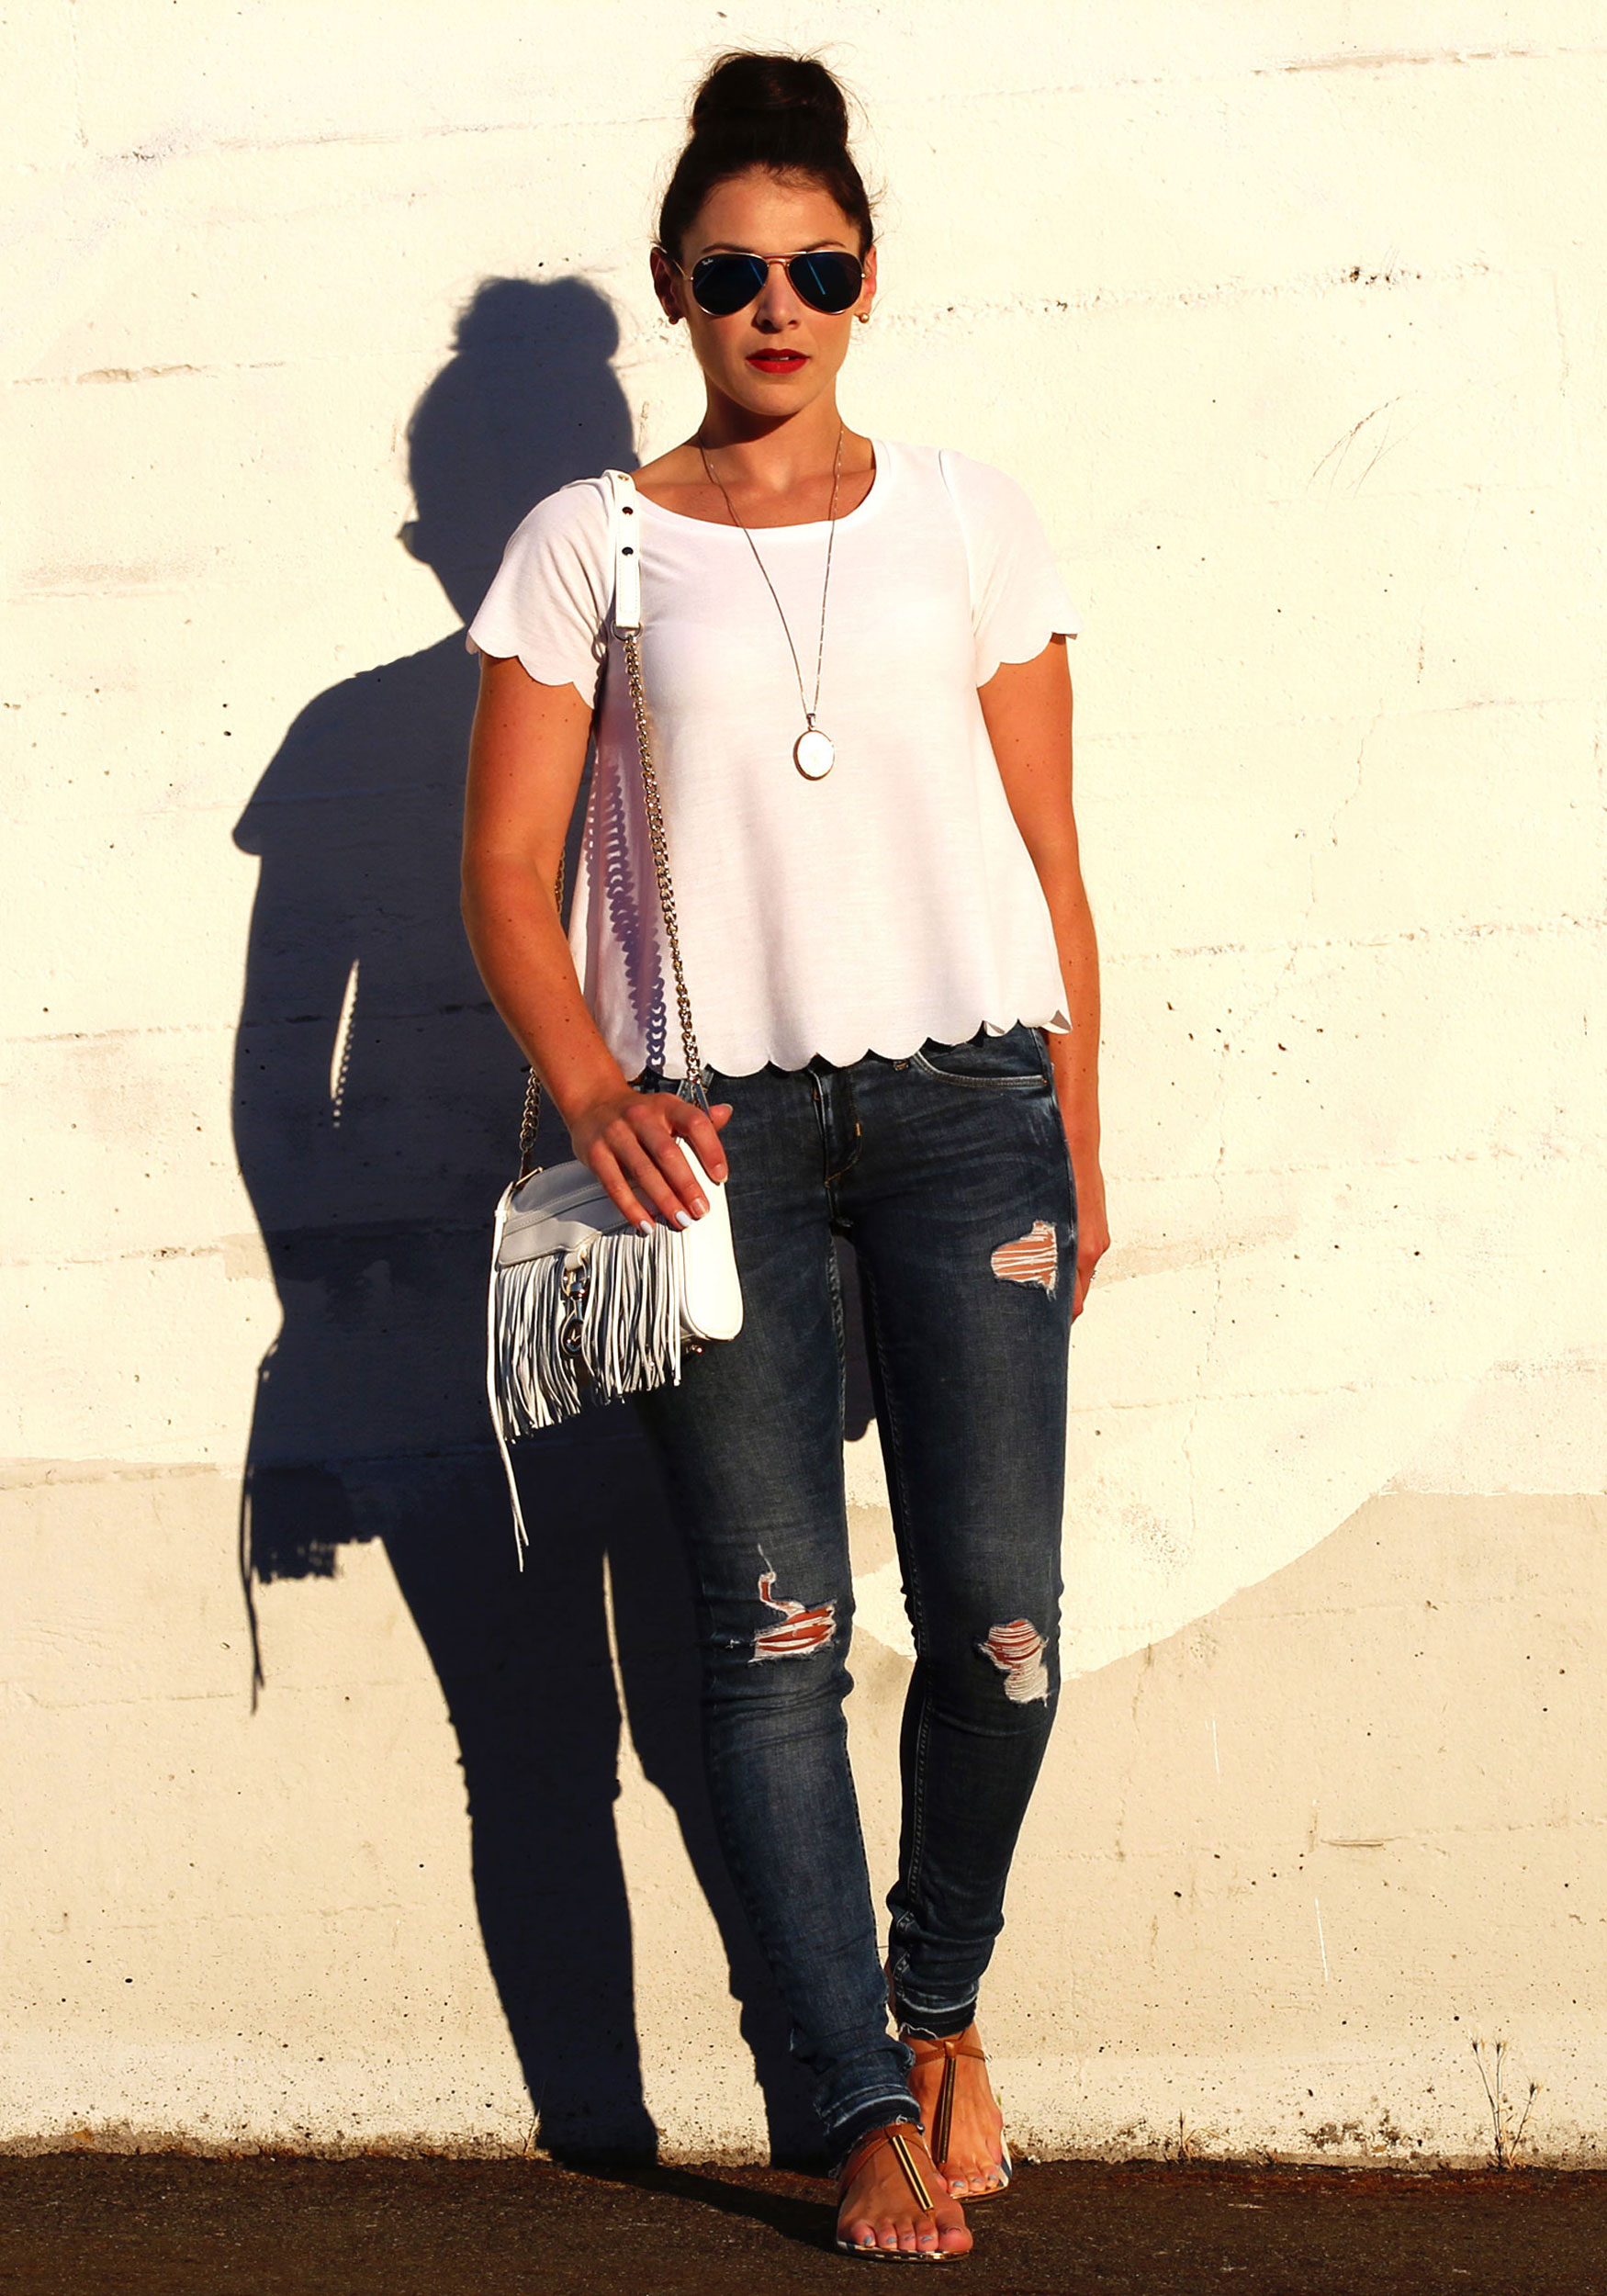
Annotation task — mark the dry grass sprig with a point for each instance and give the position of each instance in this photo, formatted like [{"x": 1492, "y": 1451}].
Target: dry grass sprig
[{"x": 1506, "y": 2138}]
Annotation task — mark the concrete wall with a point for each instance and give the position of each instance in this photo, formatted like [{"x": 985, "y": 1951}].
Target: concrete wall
[{"x": 1292, "y": 321}]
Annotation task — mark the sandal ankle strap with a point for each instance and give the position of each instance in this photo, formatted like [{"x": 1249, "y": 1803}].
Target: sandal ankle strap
[{"x": 928, "y": 2049}]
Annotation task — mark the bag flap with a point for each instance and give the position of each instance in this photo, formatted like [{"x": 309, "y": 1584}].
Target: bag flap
[{"x": 567, "y": 1191}]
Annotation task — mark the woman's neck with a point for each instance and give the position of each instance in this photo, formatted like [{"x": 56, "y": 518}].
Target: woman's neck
[
  {"x": 778, "y": 458},
  {"x": 774, "y": 474}
]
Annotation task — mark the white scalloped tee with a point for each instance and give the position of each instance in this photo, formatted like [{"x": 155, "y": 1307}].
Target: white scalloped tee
[{"x": 894, "y": 901}]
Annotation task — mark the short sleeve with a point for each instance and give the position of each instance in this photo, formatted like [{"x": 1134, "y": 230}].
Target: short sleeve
[
  {"x": 1018, "y": 600},
  {"x": 549, "y": 603}
]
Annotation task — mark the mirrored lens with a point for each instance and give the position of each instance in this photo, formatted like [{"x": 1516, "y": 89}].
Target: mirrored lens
[
  {"x": 723, "y": 283},
  {"x": 828, "y": 281}
]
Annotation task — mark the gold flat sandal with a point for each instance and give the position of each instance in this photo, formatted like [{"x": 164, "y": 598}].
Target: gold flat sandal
[
  {"x": 909, "y": 2149},
  {"x": 927, "y": 2051}
]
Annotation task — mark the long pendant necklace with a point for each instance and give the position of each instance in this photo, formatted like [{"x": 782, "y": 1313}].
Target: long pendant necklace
[{"x": 813, "y": 752}]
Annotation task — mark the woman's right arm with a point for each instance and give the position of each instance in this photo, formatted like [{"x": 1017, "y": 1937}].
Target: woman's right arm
[{"x": 526, "y": 756}]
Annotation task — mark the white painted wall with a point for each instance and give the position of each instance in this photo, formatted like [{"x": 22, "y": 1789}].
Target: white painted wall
[{"x": 1292, "y": 321}]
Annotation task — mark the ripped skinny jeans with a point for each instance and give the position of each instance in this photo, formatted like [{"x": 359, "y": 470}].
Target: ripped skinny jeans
[{"x": 948, "y": 1173}]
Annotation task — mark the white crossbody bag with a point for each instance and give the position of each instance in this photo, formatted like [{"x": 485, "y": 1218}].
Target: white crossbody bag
[{"x": 583, "y": 1308}]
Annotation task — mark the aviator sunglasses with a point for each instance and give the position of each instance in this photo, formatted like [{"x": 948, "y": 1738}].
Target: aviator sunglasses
[{"x": 824, "y": 277}]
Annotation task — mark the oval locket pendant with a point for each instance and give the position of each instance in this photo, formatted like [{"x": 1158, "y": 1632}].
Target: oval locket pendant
[{"x": 814, "y": 754}]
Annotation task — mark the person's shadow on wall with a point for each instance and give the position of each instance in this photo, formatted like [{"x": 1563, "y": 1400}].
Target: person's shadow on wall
[{"x": 376, "y": 1107}]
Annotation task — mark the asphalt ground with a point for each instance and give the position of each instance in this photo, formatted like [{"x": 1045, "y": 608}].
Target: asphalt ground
[{"x": 78, "y": 2225}]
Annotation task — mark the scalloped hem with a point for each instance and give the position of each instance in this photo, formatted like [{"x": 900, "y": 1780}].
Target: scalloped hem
[
  {"x": 747, "y": 1062},
  {"x": 1014, "y": 660},
  {"x": 472, "y": 646}
]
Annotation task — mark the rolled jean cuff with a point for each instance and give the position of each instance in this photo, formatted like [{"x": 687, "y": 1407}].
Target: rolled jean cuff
[
  {"x": 881, "y": 2112},
  {"x": 932, "y": 2024}
]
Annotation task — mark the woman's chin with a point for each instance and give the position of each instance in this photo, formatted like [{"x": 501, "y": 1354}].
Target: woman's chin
[{"x": 777, "y": 396}]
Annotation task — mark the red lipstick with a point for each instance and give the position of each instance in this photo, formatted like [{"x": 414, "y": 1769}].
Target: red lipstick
[{"x": 777, "y": 362}]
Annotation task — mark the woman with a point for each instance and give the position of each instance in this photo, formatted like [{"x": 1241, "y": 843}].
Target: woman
[{"x": 855, "y": 661}]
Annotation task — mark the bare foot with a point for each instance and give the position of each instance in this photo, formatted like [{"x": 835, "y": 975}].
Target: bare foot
[
  {"x": 879, "y": 2211},
  {"x": 974, "y": 2162}
]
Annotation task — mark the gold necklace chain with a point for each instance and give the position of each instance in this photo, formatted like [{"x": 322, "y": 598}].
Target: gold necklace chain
[{"x": 809, "y": 714}]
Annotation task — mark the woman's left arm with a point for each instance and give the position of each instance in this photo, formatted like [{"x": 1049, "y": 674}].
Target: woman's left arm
[{"x": 1028, "y": 706}]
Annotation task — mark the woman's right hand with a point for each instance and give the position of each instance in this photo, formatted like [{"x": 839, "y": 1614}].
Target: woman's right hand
[{"x": 630, "y": 1141}]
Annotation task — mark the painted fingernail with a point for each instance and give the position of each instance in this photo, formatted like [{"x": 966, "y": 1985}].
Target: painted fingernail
[
  {"x": 643, "y": 1227},
  {"x": 683, "y": 1220}
]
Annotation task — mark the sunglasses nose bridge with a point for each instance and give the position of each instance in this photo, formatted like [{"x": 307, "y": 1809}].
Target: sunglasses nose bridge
[{"x": 778, "y": 299}]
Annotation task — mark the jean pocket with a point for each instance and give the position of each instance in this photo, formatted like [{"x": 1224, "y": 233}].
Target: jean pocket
[{"x": 1015, "y": 1061}]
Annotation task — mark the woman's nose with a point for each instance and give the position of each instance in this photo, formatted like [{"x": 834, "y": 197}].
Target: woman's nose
[{"x": 778, "y": 299}]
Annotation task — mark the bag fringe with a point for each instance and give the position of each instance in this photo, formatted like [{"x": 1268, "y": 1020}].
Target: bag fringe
[{"x": 629, "y": 1319}]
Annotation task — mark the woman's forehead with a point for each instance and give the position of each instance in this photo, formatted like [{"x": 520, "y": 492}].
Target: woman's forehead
[{"x": 770, "y": 214}]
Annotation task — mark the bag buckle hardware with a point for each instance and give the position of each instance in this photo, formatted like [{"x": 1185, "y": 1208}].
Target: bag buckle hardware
[{"x": 574, "y": 1284}]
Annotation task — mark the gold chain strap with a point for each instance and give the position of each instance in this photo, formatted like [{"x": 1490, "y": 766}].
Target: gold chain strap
[{"x": 690, "y": 1057}]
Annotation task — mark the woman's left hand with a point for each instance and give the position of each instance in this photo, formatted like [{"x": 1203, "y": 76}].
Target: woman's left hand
[{"x": 1093, "y": 1227}]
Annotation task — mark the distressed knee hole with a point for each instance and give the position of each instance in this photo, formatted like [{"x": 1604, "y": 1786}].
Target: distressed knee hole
[
  {"x": 1017, "y": 1651},
  {"x": 1032, "y": 1259},
  {"x": 799, "y": 1633}
]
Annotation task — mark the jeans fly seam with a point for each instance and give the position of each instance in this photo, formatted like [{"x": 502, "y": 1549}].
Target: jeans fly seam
[
  {"x": 835, "y": 1286},
  {"x": 852, "y": 1113}
]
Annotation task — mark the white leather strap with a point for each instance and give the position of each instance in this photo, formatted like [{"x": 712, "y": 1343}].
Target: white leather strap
[
  {"x": 521, "y": 1535},
  {"x": 626, "y": 506}
]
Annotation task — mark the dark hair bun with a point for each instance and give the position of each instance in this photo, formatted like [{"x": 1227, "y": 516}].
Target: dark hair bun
[
  {"x": 742, "y": 85},
  {"x": 783, "y": 113}
]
